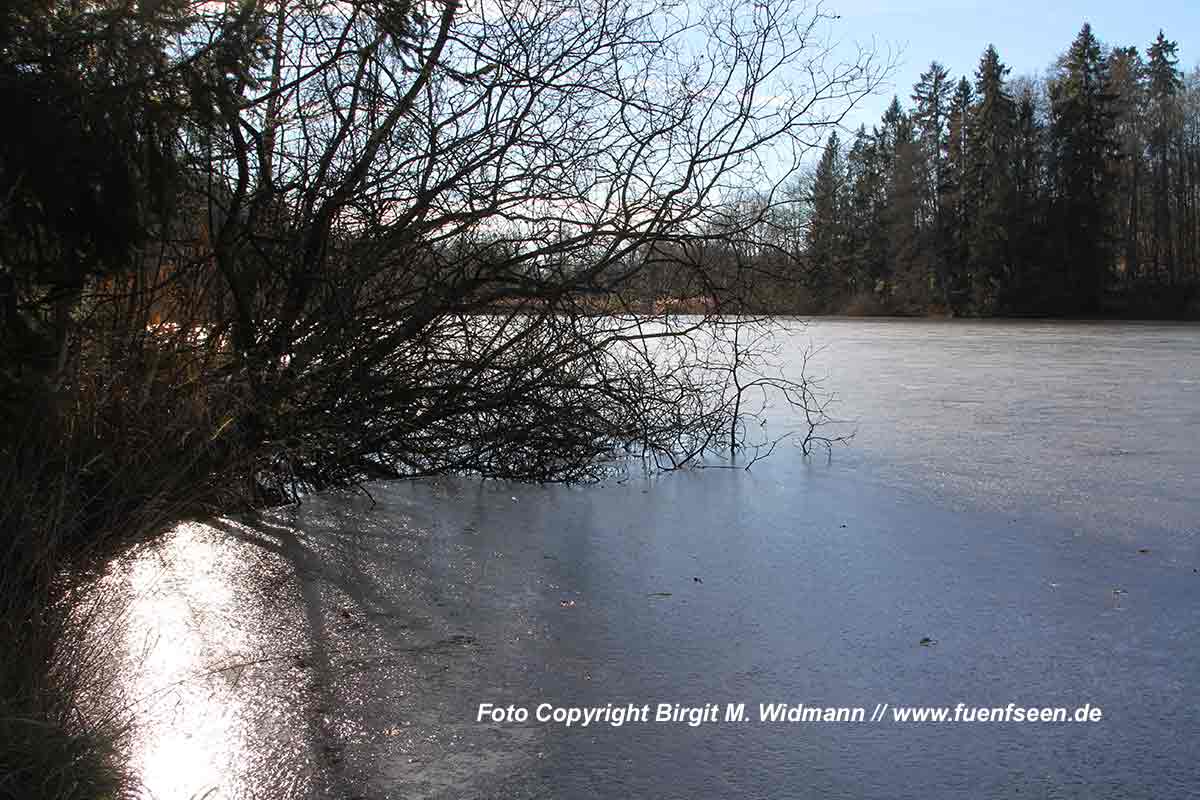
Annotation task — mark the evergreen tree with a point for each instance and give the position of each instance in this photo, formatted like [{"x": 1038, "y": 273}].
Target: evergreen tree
[
  {"x": 1163, "y": 90},
  {"x": 1188, "y": 138},
  {"x": 1028, "y": 226},
  {"x": 889, "y": 134},
  {"x": 931, "y": 96},
  {"x": 1083, "y": 122},
  {"x": 931, "y": 114},
  {"x": 1026, "y": 196},
  {"x": 955, "y": 197},
  {"x": 908, "y": 266},
  {"x": 1128, "y": 80},
  {"x": 867, "y": 244},
  {"x": 88, "y": 172},
  {"x": 826, "y": 243},
  {"x": 990, "y": 181}
]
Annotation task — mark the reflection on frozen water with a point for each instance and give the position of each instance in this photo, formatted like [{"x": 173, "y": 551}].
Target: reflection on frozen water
[
  {"x": 190, "y": 645},
  {"x": 341, "y": 649},
  {"x": 285, "y": 660},
  {"x": 229, "y": 678}
]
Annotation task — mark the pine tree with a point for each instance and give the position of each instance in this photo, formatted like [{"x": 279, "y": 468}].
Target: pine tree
[
  {"x": 1085, "y": 150},
  {"x": 867, "y": 246},
  {"x": 887, "y": 135},
  {"x": 990, "y": 181},
  {"x": 1163, "y": 89},
  {"x": 1188, "y": 147},
  {"x": 1128, "y": 80},
  {"x": 955, "y": 197},
  {"x": 931, "y": 115},
  {"x": 908, "y": 264},
  {"x": 1028, "y": 226},
  {"x": 825, "y": 240}
]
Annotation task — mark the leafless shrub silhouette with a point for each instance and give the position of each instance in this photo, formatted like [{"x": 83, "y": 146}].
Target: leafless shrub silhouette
[
  {"x": 298, "y": 245},
  {"x": 459, "y": 237}
]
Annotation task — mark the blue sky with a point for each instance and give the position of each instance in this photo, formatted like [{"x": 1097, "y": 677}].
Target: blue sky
[{"x": 1029, "y": 34}]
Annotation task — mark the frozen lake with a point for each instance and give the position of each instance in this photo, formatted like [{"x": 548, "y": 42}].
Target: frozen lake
[{"x": 1006, "y": 481}]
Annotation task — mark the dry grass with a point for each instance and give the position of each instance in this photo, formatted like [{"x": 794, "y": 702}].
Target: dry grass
[{"x": 131, "y": 443}]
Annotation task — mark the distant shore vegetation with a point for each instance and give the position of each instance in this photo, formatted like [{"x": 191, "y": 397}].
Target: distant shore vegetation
[{"x": 1073, "y": 193}]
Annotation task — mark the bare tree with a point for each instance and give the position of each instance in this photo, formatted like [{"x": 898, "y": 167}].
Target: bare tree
[
  {"x": 430, "y": 219},
  {"x": 251, "y": 249}
]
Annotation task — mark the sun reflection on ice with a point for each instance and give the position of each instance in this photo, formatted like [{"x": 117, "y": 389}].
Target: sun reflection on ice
[
  {"x": 187, "y": 649},
  {"x": 299, "y": 656}
]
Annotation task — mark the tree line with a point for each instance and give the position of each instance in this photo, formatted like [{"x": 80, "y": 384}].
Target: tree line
[{"x": 1075, "y": 193}]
